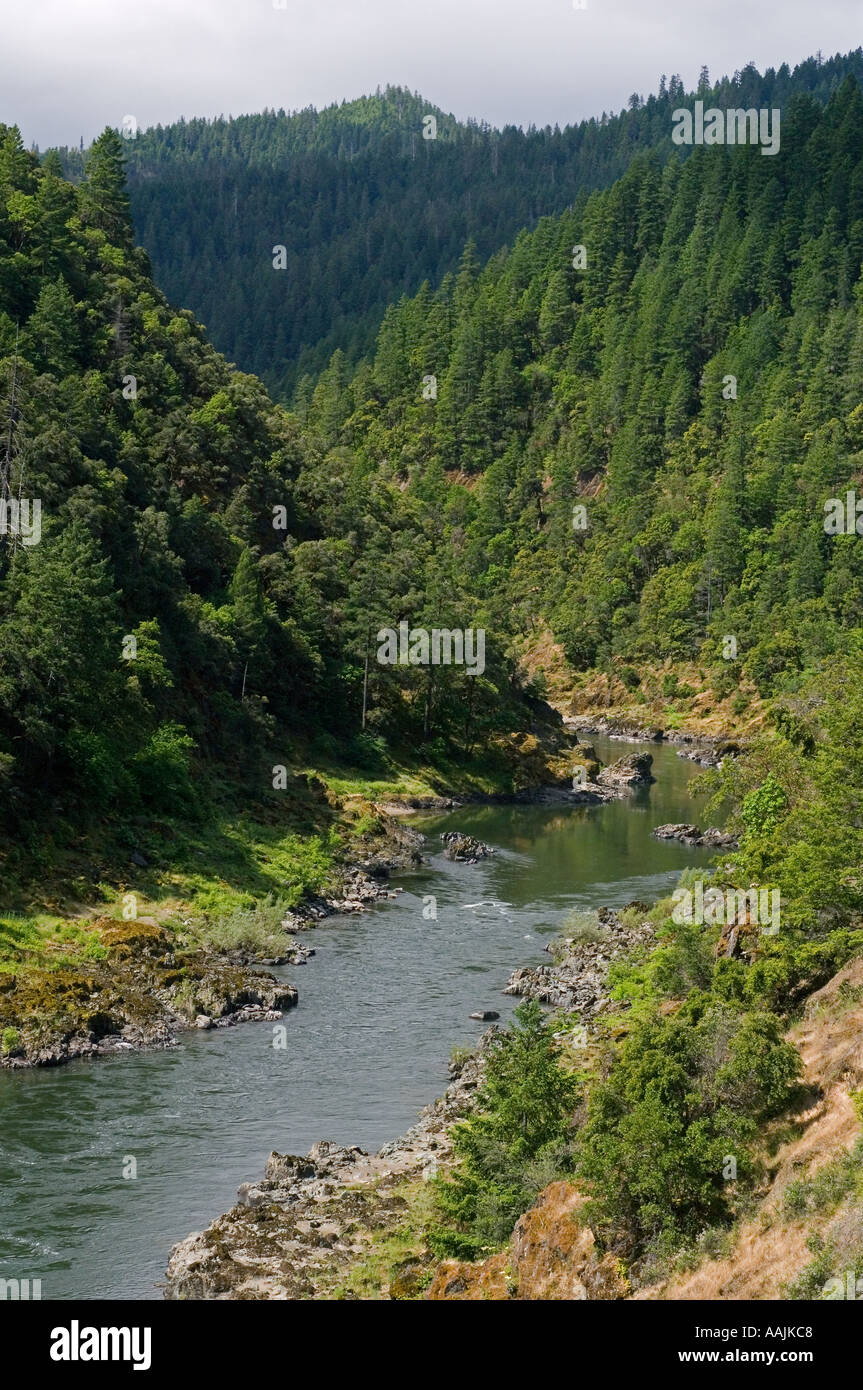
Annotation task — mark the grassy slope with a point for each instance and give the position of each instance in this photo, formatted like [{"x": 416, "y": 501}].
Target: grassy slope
[{"x": 197, "y": 873}]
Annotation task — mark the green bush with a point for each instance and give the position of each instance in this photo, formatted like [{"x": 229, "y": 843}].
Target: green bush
[
  {"x": 516, "y": 1142},
  {"x": 256, "y": 930},
  {"x": 161, "y": 769},
  {"x": 686, "y": 1093}
]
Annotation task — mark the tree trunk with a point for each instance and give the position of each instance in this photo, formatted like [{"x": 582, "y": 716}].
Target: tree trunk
[
  {"x": 469, "y": 720},
  {"x": 366, "y": 684}
]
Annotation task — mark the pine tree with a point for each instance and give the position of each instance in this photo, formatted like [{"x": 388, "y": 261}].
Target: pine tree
[
  {"x": 105, "y": 202},
  {"x": 52, "y": 330}
]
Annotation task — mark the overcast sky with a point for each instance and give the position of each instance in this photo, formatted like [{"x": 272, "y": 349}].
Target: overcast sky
[{"x": 71, "y": 67}]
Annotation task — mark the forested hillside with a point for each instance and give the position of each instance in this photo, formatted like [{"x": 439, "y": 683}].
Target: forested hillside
[
  {"x": 641, "y": 450},
  {"x": 620, "y": 437},
  {"x": 637, "y": 453},
  {"x": 367, "y": 208},
  {"x": 204, "y": 583}
]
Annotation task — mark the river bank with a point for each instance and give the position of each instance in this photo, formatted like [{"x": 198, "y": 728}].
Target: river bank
[
  {"x": 141, "y": 980},
  {"x": 342, "y": 1223},
  {"x": 328, "y": 1223},
  {"x": 389, "y": 992},
  {"x": 312, "y": 1221}
]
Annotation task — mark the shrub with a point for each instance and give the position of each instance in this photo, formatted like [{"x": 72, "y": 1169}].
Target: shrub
[
  {"x": 256, "y": 930},
  {"x": 516, "y": 1142},
  {"x": 685, "y": 1093},
  {"x": 161, "y": 769}
]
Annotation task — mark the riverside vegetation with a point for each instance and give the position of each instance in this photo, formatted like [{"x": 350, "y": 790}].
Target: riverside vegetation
[{"x": 584, "y": 481}]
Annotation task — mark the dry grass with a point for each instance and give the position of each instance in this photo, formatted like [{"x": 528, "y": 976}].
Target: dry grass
[{"x": 770, "y": 1250}]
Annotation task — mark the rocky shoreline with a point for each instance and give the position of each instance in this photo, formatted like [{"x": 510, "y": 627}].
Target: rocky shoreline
[
  {"x": 576, "y": 980},
  {"x": 143, "y": 994},
  {"x": 586, "y": 783},
  {"x": 298, "y": 1231},
  {"x": 143, "y": 989},
  {"x": 706, "y": 749}
]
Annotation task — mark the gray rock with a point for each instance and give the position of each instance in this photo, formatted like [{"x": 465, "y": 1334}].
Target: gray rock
[
  {"x": 464, "y": 848},
  {"x": 691, "y": 835},
  {"x": 633, "y": 770},
  {"x": 688, "y": 834}
]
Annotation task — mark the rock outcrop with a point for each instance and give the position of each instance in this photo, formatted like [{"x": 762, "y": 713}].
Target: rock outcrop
[
  {"x": 691, "y": 835},
  {"x": 142, "y": 994},
  {"x": 551, "y": 1256},
  {"x": 577, "y": 978},
  {"x": 630, "y": 771},
  {"x": 464, "y": 848}
]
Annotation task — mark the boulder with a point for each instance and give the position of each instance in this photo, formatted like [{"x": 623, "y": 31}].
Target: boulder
[
  {"x": 717, "y": 839},
  {"x": 630, "y": 771},
  {"x": 688, "y": 834},
  {"x": 464, "y": 848}
]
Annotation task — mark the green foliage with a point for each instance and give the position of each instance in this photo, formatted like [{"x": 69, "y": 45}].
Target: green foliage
[
  {"x": 254, "y": 554},
  {"x": 686, "y": 1092},
  {"x": 514, "y": 1143},
  {"x": 600, "y": 392},
  {"x": 257, "y": 930},
  {"x": 210, "y": 576},
  {"x": 763, "y": 807},
  {"x": 830, "y": 1185},
  {"x": 210, "y": 198}
]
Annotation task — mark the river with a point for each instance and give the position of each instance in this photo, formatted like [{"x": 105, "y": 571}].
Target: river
[{"x": 381, "y": 1005}]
